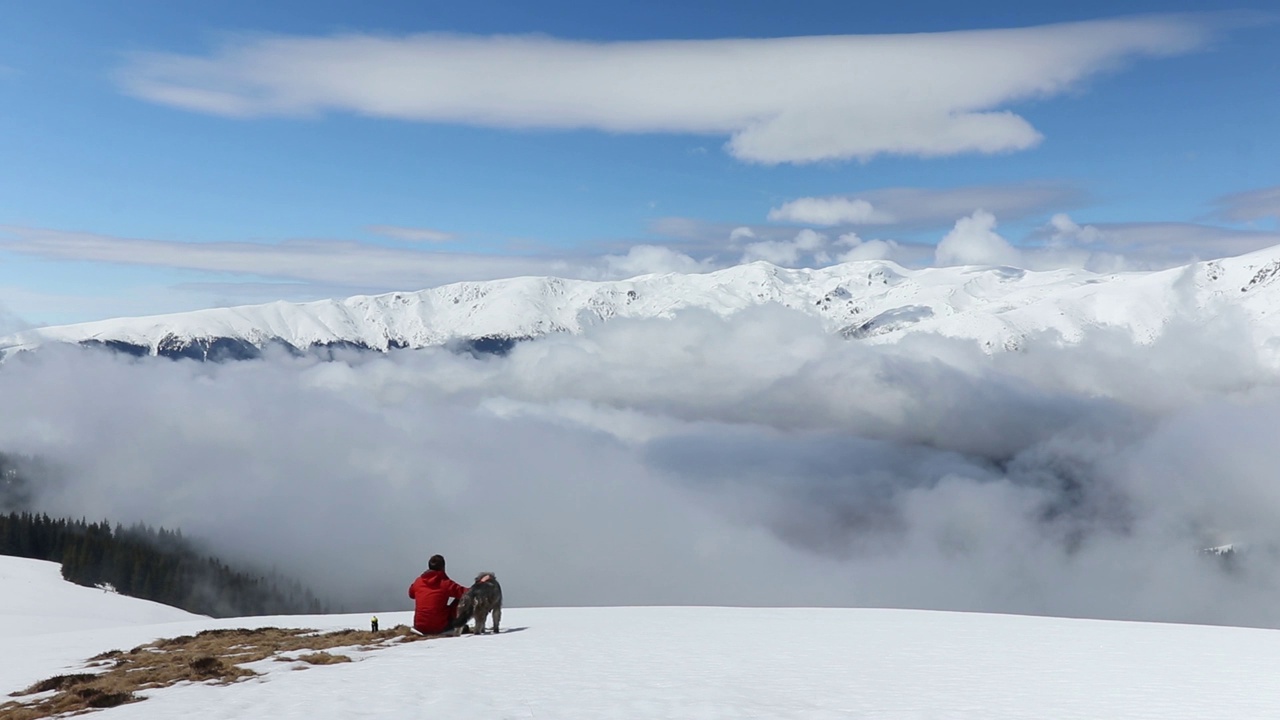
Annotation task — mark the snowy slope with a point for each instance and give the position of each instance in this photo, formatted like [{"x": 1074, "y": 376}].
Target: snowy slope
[
  {"x": 45, "y": 621},
  {"x": 1000, "y": 307},
  {"x": 37, "y": 600},
  {"x": 707, "y": 662}
]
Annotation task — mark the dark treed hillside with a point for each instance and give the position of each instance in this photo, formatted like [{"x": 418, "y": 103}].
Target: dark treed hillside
[{"x": 153, "y": 564}]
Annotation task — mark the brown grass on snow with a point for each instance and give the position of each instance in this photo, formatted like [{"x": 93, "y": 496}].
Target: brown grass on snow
[
  {"x": 213, "y": 656},
  {"x": 319, "y": 658}
]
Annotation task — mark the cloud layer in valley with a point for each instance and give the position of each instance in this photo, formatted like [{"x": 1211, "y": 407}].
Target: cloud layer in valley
[
  {"x": 748, "y": 460},
  {"x": 797, "y": 100}
]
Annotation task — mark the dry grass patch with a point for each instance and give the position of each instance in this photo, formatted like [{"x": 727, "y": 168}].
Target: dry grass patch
[
  {"x": 211, "y": 656},
  {"x": 323, "y": 658}
]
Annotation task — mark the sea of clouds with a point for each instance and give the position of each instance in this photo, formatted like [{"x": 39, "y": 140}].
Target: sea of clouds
[{"x": 750, "y": 460}]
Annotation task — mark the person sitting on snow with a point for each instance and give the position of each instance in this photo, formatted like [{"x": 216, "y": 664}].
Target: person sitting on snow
[{"x": 431, "y": 593}]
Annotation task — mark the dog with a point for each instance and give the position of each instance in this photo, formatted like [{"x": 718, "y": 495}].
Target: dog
[{"x": 482, "y": 599}]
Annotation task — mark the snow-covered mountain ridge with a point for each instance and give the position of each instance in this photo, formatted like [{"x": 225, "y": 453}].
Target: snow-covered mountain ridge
[{"x": 876, "y": 301}]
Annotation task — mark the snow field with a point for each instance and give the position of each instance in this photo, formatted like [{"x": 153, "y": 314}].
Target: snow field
[{"x": 680, "y": 662}]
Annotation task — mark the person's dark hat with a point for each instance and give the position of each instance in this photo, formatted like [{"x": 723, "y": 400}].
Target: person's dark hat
[{"x": 436, "y": 562}]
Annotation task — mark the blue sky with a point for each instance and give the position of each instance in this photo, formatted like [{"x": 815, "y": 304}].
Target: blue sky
[{"x": 159, "y": 157}]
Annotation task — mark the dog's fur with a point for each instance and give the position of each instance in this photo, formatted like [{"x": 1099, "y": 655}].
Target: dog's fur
[{"x": 478, "y": 602}]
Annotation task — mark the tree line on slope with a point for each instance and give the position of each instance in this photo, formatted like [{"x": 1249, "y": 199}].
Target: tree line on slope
[{"x": 149, "y": 563}]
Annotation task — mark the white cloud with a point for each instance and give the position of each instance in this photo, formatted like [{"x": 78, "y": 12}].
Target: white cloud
[
  {"x": 809, "y": 240},
  {"x": 860, "y": 249},
  {"x": 910, "y": 209},
  {"x": 788, "y": 253},
  {"x": 799, "y": 99},
  {"x": 411, "y": 234},
  {"x": 974, "y": 241},
  {"x": 829, "y": 211},
  {"x": 1064, "y": 231},
  {"x": 777, "y": 252},
  {"x": 647, "y": 259}
]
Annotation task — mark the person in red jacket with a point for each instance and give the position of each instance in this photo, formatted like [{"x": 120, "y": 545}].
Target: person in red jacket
[{"x": 431, "y": 594}]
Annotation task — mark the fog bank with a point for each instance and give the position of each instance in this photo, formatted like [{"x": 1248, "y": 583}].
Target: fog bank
[{"x": 753, "y": 460}]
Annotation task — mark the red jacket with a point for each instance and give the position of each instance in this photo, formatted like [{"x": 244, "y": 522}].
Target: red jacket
[{"x": 431, "y": 593}]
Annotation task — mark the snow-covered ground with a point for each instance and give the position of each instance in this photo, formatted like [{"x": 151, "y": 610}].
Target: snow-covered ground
[{"x": 678, "y": 662}]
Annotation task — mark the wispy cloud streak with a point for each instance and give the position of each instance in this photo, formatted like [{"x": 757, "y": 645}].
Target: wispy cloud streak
[
  {"x": 1252, "y": 205},
  {"x": 412, "y": 234}
]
